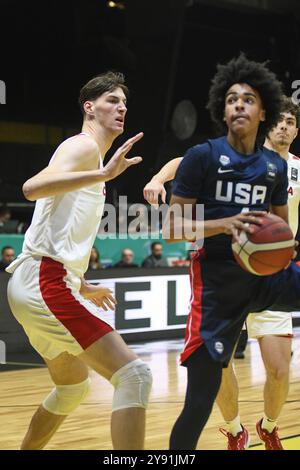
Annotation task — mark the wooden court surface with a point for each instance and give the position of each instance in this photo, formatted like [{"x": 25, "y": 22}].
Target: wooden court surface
[{"x": 88, "y": 427}]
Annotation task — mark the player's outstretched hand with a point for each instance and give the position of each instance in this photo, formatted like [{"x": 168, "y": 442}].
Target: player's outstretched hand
[
  {"x": 118, "y": 163},
  {"x": 99, "y": 295},
  {"x": 242, "y": 221},
  {"x": 153, "y": 190}
]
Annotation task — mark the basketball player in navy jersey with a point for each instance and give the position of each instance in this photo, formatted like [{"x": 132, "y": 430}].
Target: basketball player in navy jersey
[
  {"x": 273, "y": 330},
  {"x": 228, "y": 175}
]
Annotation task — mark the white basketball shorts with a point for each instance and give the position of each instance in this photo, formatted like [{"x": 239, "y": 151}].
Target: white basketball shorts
[
  {"x": 269, "y": 323},
  {"x": 44, "y": 298}
]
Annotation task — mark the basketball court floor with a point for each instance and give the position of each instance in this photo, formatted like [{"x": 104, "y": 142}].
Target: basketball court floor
[{"x": 88, "y": 427}]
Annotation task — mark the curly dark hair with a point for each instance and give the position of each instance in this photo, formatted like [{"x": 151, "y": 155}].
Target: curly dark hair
[
  {"x": 94, "y": 88},
  {"x": 255, "y": 74},
  {"x": 288, "y": 106}
]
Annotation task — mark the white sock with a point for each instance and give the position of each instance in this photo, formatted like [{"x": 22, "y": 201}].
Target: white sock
[
  {"x": 268, "y": 424},
  {"x": 234, "y": 426}
]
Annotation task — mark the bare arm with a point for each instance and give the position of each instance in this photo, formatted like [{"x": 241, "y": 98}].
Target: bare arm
[
  {"x": 75, "y": 166},
  {"x": 179, "y": 227},
  {"x": 155, "y": 187},
  {"x": 168, "y": 171}
]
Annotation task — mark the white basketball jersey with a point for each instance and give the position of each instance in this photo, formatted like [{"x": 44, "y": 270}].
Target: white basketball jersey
[
  {"x": 64, "y": 227},
  {"x": 293, "y": 163}
]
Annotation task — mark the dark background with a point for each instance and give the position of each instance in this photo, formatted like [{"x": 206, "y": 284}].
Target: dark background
[{"x": 168, "y": 50}]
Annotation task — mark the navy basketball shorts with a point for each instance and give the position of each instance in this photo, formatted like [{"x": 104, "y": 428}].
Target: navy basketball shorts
[{"x": 223, "y": 294}]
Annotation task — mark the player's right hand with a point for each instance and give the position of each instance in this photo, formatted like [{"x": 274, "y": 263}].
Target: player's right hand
[
  {"x": 99, "y": 295},
  {"x": 118, "y": 163},
  {"x": 233, "y": 225},
  {"x": 153, "y": 190}
]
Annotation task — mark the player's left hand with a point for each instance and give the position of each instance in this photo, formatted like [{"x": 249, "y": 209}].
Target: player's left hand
[
  {"x": 118, "y": 163},
  {"x": 99, "y": 295}
]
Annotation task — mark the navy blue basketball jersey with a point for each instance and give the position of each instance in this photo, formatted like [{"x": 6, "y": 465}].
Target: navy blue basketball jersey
[{"x": 227, "y": 182}]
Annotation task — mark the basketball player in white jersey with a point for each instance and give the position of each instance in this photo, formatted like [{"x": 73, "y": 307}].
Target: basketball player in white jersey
[
  {"x": 47, "y": 293},
  {"x": 272, "y": 329}
]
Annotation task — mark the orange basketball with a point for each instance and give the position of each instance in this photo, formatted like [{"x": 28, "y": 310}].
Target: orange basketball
[{"x": 268, "y": 249}]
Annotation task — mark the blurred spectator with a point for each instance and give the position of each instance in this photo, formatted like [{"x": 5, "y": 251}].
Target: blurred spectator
[
  {"x": 126, "y": 260},
  {"x": 7, "y": 224},
  {"x": 8, "y": 255},
  {"x": 5, "y": 216},
  {"x": 155, "y": 260},
  {"x": 95, "y": 262}
]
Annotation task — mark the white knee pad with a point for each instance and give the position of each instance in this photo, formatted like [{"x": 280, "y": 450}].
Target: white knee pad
[
  {"x": 132, "y": 385},
  {"x": 64, "y": 399}
]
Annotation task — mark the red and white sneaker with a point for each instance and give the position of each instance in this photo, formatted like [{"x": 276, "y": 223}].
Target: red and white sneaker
[
  {"x": 239, "y": 442},
  {"x": 271, "y": 439}
]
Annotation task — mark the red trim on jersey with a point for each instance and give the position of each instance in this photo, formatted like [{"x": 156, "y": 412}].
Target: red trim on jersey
[
  {"x": 192, "y": 333},
  {"x": 295, "y": 158},
  {"x": 82, "y": 324},
  {"x": 288, "y": 335}
]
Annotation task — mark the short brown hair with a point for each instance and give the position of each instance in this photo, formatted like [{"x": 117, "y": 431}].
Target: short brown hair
[
  {"x": 103, "y": 83},
  {"x": 288, "y": 106}
]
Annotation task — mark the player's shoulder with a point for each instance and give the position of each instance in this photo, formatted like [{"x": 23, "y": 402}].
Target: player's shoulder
[
  {"x": 270, "y": 153},
  {"x": 196, "y": 158},
  {"x": 198, "y": 150},
  {"x": 294, "y": 159},
  {"x": 77, "y": 153},
  {"x": 274, "y": 157},
  {"x": 82, "y": 143},
  {"x": 82, "y": 147},
  {"x": 294, "y": 167},
  {"x": 206, "y": 147}
]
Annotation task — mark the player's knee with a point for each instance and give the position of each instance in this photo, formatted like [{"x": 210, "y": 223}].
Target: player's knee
[
  {"x": 198, "y": 408},
  {"x": 64, "y": 399},
  {"x": 279, "y": 373},
  {"x": 132, "y": 385}
]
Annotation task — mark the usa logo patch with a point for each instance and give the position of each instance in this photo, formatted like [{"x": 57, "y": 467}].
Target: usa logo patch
[
  {"x": 224, "y": 160},
  {"x": 219, "y": 347},
  {"x": 271, "y": 171}
]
